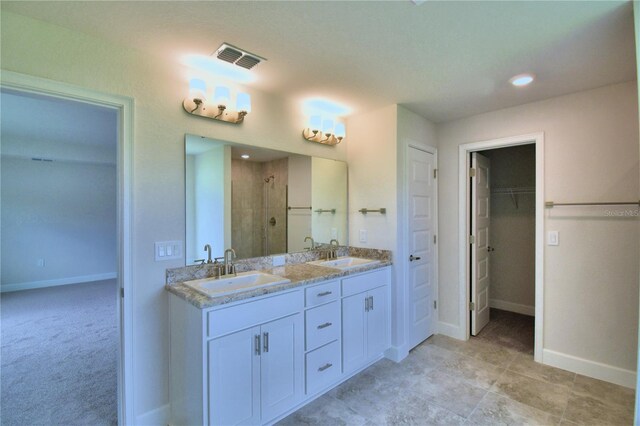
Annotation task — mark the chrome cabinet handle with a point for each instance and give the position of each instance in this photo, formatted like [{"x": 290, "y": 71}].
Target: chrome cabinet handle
[
  {"x": 366, "y": 304},
  {"x": 324, "y": 367},
  {"x": 324, "y": 293},
  {"x": 256, "y": 340},
  {"x": 325, "y": 325},
  {"x": 371, "y": 303},
  {"x": 412, "y": 258},
  {"x": 265, "y": 347},
  {"x": 489, "y": 248}
]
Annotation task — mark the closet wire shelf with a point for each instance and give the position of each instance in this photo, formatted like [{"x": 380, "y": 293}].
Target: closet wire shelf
[{"x": 513, "y": 191}]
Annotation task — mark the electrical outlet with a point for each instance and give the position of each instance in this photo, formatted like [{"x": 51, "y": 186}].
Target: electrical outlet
[
  {"x": 363, "y": 235},
  {"x": 334, "y": 233},
  {"x": 40, "y": 263}
]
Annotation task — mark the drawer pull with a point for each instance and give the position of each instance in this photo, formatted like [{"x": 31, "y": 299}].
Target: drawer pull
[
  {"x": 325, "y": 325},
  {"x": 324, "y": 367},
  {"x": 257, "y": 343},
  {"x": 324, "y": 293}
]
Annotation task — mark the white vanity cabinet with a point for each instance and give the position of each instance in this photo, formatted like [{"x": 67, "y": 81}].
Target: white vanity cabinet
[
  {"x": 254, "y": 361},
  {"x": 248, "y": 366},
  {"x": 365, "y": 333}
]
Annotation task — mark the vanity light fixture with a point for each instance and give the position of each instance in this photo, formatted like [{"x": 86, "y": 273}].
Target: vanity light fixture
[
  {"x": 245, "y": 156},
  {"x": 521, "y": 80},
  {"x": 324, "y": 131},
  {"x": 196, "y": 103}
]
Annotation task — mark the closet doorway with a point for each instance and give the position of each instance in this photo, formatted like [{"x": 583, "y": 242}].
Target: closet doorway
[
  {"x": 502, "y": 253},
  {"x": 501, "y": 207}
]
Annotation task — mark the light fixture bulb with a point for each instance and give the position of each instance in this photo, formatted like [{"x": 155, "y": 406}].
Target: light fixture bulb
[
  {"x": 521, "y": 80},
  {"x": 197, "y": 89},
  {"x": 243, "y": 102},
  {"x": 245, "y": 156},
  {"x": 315, "y": 123},
  {"x": 327, "y": 127},
  {"x": 222, "y": 95},
  {"x": 340, "y": 131}
]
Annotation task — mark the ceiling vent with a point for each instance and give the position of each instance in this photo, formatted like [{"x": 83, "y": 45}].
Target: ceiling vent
[{"x": 234, "y": 55}]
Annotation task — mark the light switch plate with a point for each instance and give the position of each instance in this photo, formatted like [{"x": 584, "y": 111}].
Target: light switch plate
[
  {"x": 363, "y": 235},
  {"x": 168, "y": 250},
  {"x": 553, "y": 238}
]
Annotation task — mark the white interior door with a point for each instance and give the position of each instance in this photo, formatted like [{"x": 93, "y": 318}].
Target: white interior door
[
  {"x": 422, "y": 244},
  {"x": 480, "y": 279}
]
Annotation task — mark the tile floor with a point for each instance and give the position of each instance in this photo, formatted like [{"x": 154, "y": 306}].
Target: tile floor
[{"x": 489, "y": 380}]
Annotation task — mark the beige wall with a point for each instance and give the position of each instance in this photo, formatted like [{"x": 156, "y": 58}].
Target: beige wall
[
  {"x": 591, "y": 278},
  {"x": 512, "y": 229},
  {"x": 36, "y": 48}
]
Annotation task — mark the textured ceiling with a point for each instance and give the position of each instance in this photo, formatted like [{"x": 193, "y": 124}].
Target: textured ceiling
[{"x": 443, "y": 60}]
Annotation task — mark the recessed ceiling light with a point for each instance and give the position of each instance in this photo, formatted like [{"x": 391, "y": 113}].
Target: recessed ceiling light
[
  {"x": 521, "y": 80},
  {"x": 245, "y": 156}
]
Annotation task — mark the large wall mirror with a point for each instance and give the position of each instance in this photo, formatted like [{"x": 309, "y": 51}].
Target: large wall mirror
[{"x": 259, "y": 201}]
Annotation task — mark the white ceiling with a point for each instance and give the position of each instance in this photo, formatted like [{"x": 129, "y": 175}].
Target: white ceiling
[{"x": 443, "y": 60}]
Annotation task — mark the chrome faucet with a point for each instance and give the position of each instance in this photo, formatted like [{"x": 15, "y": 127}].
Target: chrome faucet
[
  {"x": 207, "y": 248},
  {"x": 333, "y": 252},
  {"x": 313, "y": 243},
  {"x": 229, "y": 267}
]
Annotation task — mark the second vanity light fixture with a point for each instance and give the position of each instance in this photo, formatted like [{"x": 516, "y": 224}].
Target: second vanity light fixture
[
  {"x": 324, "y": 131},
  {"x": 196, "y": 103}
]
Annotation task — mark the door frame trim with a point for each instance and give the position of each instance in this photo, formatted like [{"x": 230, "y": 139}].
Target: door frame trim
[
  {"x": 405, "y": 237},
  {"x": 463, "y": 229},
  {"x": 124, "y": 166}
]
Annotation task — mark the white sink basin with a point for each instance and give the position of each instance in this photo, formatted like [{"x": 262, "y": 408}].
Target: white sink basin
[
  {"x": 244, "y": 281},
  {"x": 344, "y": 263}
]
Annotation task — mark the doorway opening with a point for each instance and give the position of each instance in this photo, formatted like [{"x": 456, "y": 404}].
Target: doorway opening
[
  {"x": 101, "y": 226},
  {"x": 501, "y": 236},
  {"x": 502, "y": 253}
]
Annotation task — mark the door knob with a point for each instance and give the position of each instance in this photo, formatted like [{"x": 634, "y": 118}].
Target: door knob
[{"x": 412, "y": 258}]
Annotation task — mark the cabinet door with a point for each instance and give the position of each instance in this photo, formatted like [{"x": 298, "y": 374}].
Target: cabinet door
[
  {"x": 354, "y": 350},
  {"x": 281, "y": 365},
  {"x": 234, "y": 379},
  {"x": 377, "y": 322}
]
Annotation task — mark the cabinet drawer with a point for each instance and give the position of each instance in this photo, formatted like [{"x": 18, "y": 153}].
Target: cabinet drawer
[
  {"x": 323, "y": 367},
  {"x": 322, "y": 293},
  {"x": 322, "y": 325},
  {"x": 365, "y": 282},
  {"x": 238, "y": 317}
]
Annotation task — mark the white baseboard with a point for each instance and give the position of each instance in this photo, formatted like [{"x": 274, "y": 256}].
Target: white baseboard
[
  {"x": 597, "y": 370},
  {"x": 157, "y": 417},
  {"x": 513, "y": 307},
  {"x": 451, "y": 330},
  {"x": 396, "y": 353},
  {"x": 60, "y": 281}
]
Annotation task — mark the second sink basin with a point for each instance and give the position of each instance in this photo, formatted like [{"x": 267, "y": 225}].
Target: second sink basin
[
  {"x": 244, "y": 281},
  {"x": 344, "y": 263}
]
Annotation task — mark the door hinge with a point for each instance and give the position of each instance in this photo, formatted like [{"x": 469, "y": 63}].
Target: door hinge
[
  {"x": 472, "y": 172},
  {"x": 121, "y": 291},
  {"x": 435, "y": 173},
  {"x": 472, "y": 306},
  {"x": 435, "y": 304},
  {"x": 472, "y": 239},
  {"x": 435, "y": 239}
]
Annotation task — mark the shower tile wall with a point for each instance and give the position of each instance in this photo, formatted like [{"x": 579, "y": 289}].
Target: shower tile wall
[
  {"x": 248, "y": 207},
  {"x": 247, "y": 215},
  {"x": 277, "y": 203}
]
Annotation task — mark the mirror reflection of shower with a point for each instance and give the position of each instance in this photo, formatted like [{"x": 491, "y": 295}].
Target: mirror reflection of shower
[{"x": 268, "y": 221}]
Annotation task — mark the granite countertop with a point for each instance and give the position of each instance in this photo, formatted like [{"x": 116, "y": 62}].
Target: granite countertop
[{"x": 300, "y": 274}]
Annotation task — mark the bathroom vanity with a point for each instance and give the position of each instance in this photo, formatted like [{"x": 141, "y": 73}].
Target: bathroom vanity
[{"x": 255, "y": 355}]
